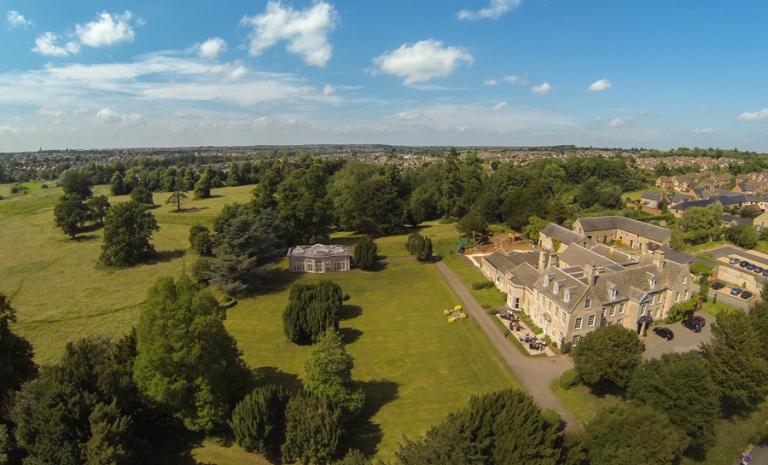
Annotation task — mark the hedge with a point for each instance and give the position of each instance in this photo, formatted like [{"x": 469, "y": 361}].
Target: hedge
[{"x": 570, "y": 379}]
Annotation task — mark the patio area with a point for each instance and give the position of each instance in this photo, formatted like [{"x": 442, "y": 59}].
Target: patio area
[{"x": 531, "y": 342}]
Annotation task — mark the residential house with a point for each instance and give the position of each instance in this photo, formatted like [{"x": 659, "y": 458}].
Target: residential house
[
  {"x": 733, "y": 220},
  {"x": 679, "y": 198},
  {"x": 760, "y": 222},
  {"x": 555, "y": 238},
  {"x": 744, "y": 189},
  {"x": 652, "y": 199},
  {"x": 620, "y": 230},
  {"x": 665, "y": 182},
  {"x": 319, "y": 258}
]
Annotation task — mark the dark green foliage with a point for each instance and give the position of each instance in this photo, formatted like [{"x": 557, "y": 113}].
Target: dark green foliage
[
  {"x": 366, "y": 252},
  {"x": 264, "y": 195},
  {"x": 353, "y": 457},
  {"x": 305, "y": 211},
  {"x": 70, "y": 213},
  {"x": 110, "y": 442},
  {"x": 758, "y": 316},
  {"x": 702, "y": 224},
  {"x": 422, "y": 206},
  {"x": 313, "y": 429},
  {"x": 77, "y": 182},
  {"x": 701, "y": 268},
  {"x": 419, "y": 246},
  {"x": 611, "y": 353},
  {"x": 201, "y": 269},
  {"x": 19, "y": 189},
  {"x": 258, "y": 421},
  {"x": 681, "y": 386},
  {"x": 738, "y": 366},
  {"x": 128, "y": 228},
  {"x": 328, "y": 373},
  {"x": 247, "y": 249},
  {"x": 203, "y": 187},
  {"x": 743, "y": 235},
  {"x": 6, "y": 445},
  {"x": 535, "y": 225},
  {"x": 376, "y": 207},
  {"x": 312, "y": 309},
  {"x": 471, "y": 223},
  {"x": 116, "y": 184},
  {"x": 187, "y": 363},
  {"x": 622, "y": 435},
  {"x": 178, "y": 198},
  {"x": 142, "y": 195},
  {"x": 570, "y": 379},
  {"x": 227, "y": 214},
  {"x": 98, "y": 207},
  {"x": 504, "y": 427},
  {"x": 201, "y": 240},
  {"x": 682, "y": 311},
  {"x": 16, "y": 365},
  {"x": 482, "y": 285}
]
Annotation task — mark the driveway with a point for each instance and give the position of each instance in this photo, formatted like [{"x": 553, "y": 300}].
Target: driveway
[
  {"x": 536, "y": 374},
  {"x": 685, "y": 340}
]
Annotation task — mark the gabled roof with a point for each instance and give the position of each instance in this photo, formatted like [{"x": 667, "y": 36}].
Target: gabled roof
[
  {"x": 746, "y": 187},
  {"x": 653, "y": 195},
  {"x": 675, "y": 256},
  {"x": 577, "y": 255},
  {"x": 728, "y": 219},
  {"x": 725, "y": 201},
  {"x": 566, "y": 236},
  {"x": 650, "y": 231},
  {"x": 506, "y": 263},
  {"x": 677, "y": 198}
]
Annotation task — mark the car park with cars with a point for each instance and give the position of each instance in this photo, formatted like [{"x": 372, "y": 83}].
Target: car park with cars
[
  {"x": 665, "y": 333},
  {"x": 733, "y": 261},
  {"x": 743, "y": 263},
  {"x": 746, "y": 295},
  {"x": 735, "y": 291},
  {"x": 717, "y": 286},
  {"x": 692, "y": 324},
  {"x": 759, "y": 269}
]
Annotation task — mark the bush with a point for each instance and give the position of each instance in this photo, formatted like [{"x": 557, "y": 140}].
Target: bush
[
  {"x": 566, "y": 348},
  {"x": 485, "y": 306},
  {"x": 366, "y": 252},
  {"x": 1, "y": 197},
  {"x": 702, "y": 269},
  {"x": 482, "y": 285},
  {"x": 493, "y": 312},
  {"x": 201, "y": 269},
  {"x": 228, "y": 302},
  {"x": 419, "y": 246},
  {"x": 551, "y": 417},
  {"x": 346, "y": 297},
  {"x": 570, "y": 378},
  {"x": 44, "y": 186},
  {"x": 17, "y": 188},
  {"x": 681, "y": 311}
]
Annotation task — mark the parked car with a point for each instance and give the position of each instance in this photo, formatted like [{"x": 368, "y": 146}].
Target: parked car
[
  {"x": 700, "y": 319},
  {"x": 751, "y": 267},
  {"x": 692, "y": 324},
  {"x": 735, "y": 291},
  {"x": 743, "y": 263},
  {"x": 733, "y": 261},
  {"x": 717, "y": 286},
  {"x": 746, "y": 295},
  {"x": 765, "y": 273},
  {"x": 665, "y": 333},
  {"x": 759, "y": 269}
]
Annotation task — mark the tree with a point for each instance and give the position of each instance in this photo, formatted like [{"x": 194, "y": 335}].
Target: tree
[
  {"x": 366, "y": 252},
  {"x": 16, "y": 354},
  {"x": 248, "y": 248},
  {"x": 69, "y": 213},
  {"x": 187, "y": 362},
  {"x": 743, "y": 235},
  {"x": 422, "y": 206},
  {"x": 739, "y": 369},
  {"x": 419, "y": 246},
  {"x": 111, "y": 433},
  {"x": 376, "y": 207},
  {"x": 201, "y": 240},
  {"x": 681, "y": 386},
  {"x": 313, "y": 429},
  {"x": 328, "y": 372},
  {"x": 233, "y": 175},
  {"x": 702, "y": 224},
  {"x": 203, "y": 186},
  {"x": 179, "y": 198},
  {"x": 471, "y": 223},
  {"x": 258, "y": 421},
  {"x": 116, "y": 184},
  {"x": 128, "y": 229},
  {"x": 312, "y": 309},
  {"x": 615, "y": 437},
  {"x": 758, "y": 316},
  {"x": 305, "y": 211},
  {"x": 142, "y": 195},
  {"x": 503, "y": 427},
  {"x": 535, "y": 225},
  {"x": 611, "y": 353},
  {"x": 264, "y": 193},
  {"x": 77, "y": 182},
  {"x": 98, "y": 207},
  {"x": 353, "y": 457},
  {"x": 229, "y": 213}
]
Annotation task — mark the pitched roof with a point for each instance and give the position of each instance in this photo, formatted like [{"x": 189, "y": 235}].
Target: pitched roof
[
  {"x": 728, "y": 219},
  {"x": 566, "y": 236},
  {"x": 677, "y": 198},
  {"x": 653, "y": 195},
  {"x": 725, "y": 201},
  {"x": 506, "y": 263},
  {"x": 675, "y": 256},
  {"x": 650, "y": 231},
  {"x": 577, "y": 255},
  {"x": 746, "y": 187}
]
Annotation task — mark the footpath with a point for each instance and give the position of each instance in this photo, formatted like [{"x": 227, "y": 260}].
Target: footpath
[{"x": 536, "y": 374}]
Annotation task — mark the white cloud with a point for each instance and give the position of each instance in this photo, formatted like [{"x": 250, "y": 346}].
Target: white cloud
[
  {"x": 704, "y": 131},
  {"x": 306, "y": 31},
  {"x": 45, "y": 44},
  {"x": 407, "y": 116},
  {"x": 211, "y": 48},
  {"x": 493, "y": 11},
  {"x": 490, "y": 82},
  {"x": 105, "y": 31},
  {"x": 500, "y": 106},
  {"x": 600, "y": 85},
  {"x": 542, "y": 89},
  {"x": 79, "y": 111},
  {"x": 512, "y": 79},
  {"x": 50, "y": 112},
  {"x": 236, "y": 74},
  {"x": 109, "y": 116},
  {"x": 422, "y": 61},
  {"x": 16, "y": 19},
  {"x": 616, "y": 122},
  {"x": 329, "y": 90},
  {"x": 757, "y": 116}
]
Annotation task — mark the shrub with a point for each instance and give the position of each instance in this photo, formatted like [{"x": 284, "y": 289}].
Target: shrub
[
  {"x": 463, "y": 316},
  {"x": 419, "y": 246},
  {"x": 566, "y": 348},
  {"x": 1, "y": 197},
  {"x": 228, "y": 302},
  {"x": 17, "y": 188},
  {"x": 44, "y": 186},
  {"x": 493, "y": 312},
  {"x": 201, "y": 269},
  {"x": 446, "y": 312},
  {"x": 458, "y": 308},
  {"x": 482, "y": 285},
  {"x": 701, "y": 268},
  {"x": 485, "y": 306},
  {"x": 346, "y": 297},
  {"x": 551, "y": 417},
  {"x": 681, "y": 311},
  {"x": 570, "y": 378},
  {"x": 366, "y": 252}
]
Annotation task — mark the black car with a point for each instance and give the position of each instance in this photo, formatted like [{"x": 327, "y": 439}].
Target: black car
[
  {"x": 759, "y": 269},
  {"x": 746, "y": 295},
  {"x": 743, "y": 263},
  {"x": 717, "y": 286},
  {"x": 666, "y": 333},
  {"x": 693, "y": 325}
]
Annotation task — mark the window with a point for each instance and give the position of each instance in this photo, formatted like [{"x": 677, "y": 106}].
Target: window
[
  {"x": 588, "y": 304},
  {"x": 567, "y": 296},
  {"x": 619, "y": 321},
  {"x": 591, "y": 321},
  {"x": 298, "y": 266},
  {"x": 575, "y": 341},
  {"x": 677, "y": 297},
  {"x": 546, "y": 281},
  {"x": 658, "y": 313},
  {"x": 622, "y": 307},
  {"x": 340, "y": 266},
  {"x": 537, "y": 296},
  {"x": 687, "y": 294},
  {"x": 614, "y": 292},
  {"x": 557, "y": 288},
  {"x": 579, "y": 322},
  {"x": 560, "y": 338},
  {"x": 644, "y": 310},
  {"x": 605, "y": 310},
  {"x": 552, "y": 333},
  {"x": 311, "y": 266},
  {"x": 549, "y": 307},
  {"x": 685, "y": 280},
  {"x": 498, "y": 278},
  {"x": 613, "y": 310},
  {"x": 557, "y": 312},
  {"x": 562, "y": 318}
]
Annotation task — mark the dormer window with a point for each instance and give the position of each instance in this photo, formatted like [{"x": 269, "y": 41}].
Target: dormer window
[
  {"x": 557, "y": 288},
  {"x": 614, "y": 292},
  {"x": 567, "y": 296},
  {"x": 653, "y": 282},
  {"x": 546, "y": 281}
]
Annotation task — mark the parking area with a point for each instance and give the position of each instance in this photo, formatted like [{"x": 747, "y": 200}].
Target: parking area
[{"x": 685, "y": 340}]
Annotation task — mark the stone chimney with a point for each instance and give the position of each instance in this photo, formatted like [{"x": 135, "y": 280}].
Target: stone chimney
[
  {"x": 592, "y": 272},
  {"x": 543, "y": 261},
  {"x": 554, "y": 260},
  {"x": 658, "y": 259}
]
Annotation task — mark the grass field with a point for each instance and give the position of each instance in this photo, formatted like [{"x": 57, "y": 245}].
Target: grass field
[{"x": 414, "y": 367}]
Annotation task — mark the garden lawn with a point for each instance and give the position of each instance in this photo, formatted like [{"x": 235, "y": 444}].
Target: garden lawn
[{"x": 715, "y": 308}]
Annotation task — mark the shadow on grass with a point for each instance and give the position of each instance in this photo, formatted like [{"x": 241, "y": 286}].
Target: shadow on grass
[
  {"x": 191, "y": 210},
  {"x": 264, "y": 376},
  {"x": 365, "y": 434},
  {"x": 86, "y": 238},
  {"x": 91, "y": 227},
  {"x": 606, "y": 388},
  {"x": 350, "y": 335},
  {"x": 349, "y": 312},
  {"x": 279, "y": 280},
  {"x": 167, "y": 256}
]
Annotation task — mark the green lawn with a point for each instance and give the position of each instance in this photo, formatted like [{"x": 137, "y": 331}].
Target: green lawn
[
  {"x": 414, "y": 367},
  {"x": 714, "y": 308}
]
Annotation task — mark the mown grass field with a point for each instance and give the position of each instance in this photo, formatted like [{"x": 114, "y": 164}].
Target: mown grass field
[{"x": 414, "y": 367}]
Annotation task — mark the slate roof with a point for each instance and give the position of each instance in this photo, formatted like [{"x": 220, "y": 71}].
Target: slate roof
[
  {"x": 577, "y": 255},
  {"x": 677, "y": 198},
  {"x": 653, "y": 195},
  {"x": 506, "y": 263},
  {"x": 726, "y": 201},
  {"x": 566, "y": 236},
  {"x": 650, "y": 231},
  {"x": 675, "y": 256},
  {"x": 746, "y": 187},
  {"x": 728, "y": 219},
  {"x": 525, "y": 274},
  {"x": 616, "y": 255}
]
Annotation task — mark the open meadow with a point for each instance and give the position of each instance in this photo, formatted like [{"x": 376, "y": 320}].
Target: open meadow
[{"x": 414, "y": 367}]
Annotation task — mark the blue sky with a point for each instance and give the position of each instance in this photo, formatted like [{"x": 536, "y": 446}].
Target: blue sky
[{"x": 655, "y": 74}]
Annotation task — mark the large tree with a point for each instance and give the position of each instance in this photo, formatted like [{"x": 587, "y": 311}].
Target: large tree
[
  {"x": 739, "y": 368},
  {"x": 743, "y": 235},
  {"x": 620, "y": 435},
  {"x": 313, "y": 429},
  {"x": 142, "y": 195},
  {"x": 702, "y": 224},
  {"x": 78, "y": 182},
  {"x": 16, "y": 365},
  {"x": 305, "y": 211},
  {"x": 70, "y": 213},
  {"x": 264, "y": 194},
  {"x": 470, "y": 224},
  {"x": 328, "y": 372},
  {"x": 187, "y": 362},
  {"x": 681, "y": 386},
  {"x": 258, "y": 421},
  {"x": 312, "y": 310},
  {"x": 419, "y": 246},
  {"x": 98, "y": 207},
  {"x": 366, "y": 252},
  {"x": 128, "y": 229},
  {"x": 610, "y": 353},
  {"x": 248, "y": 247}
]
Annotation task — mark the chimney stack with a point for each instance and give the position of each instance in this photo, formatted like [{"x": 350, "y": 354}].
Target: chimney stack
[
  {"x": 554, "y": 260},
  {"x": 658, "y": 259},
  {"x": 543, "y": 261}
]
